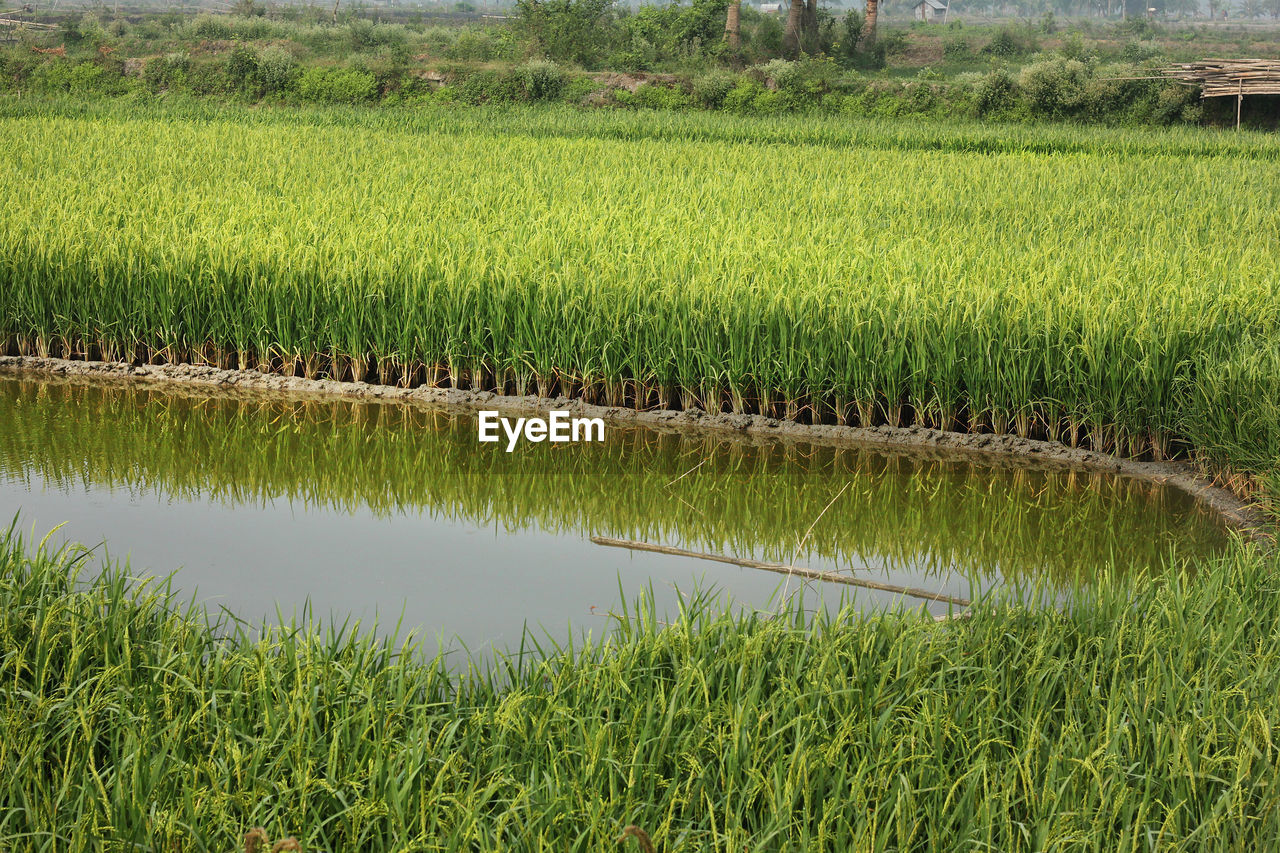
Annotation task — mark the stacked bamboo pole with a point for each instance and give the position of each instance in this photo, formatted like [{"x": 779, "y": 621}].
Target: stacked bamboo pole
[{"x": 1219, "y": 78}]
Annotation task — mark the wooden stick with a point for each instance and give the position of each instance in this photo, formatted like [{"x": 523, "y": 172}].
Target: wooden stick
[{"x": 830, "y": 577}]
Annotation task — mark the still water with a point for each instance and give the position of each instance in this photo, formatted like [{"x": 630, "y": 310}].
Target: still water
[{"x": 364, "y": 510}]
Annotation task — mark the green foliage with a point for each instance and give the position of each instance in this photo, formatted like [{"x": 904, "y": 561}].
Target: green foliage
[
  {"x": 365, "y": 34},
  {"x": 88, "y": 78},
  {"x": 540, "y": 80},
  {"x": 956, "y": 48},
  {"x": 655, "y": 33},
  {"x": 1055, "y": 87},
  {"x": 849, "y": 49},
  {"x": 850, "y": 38},
  {"x": 242, "y": 65},
  {"x": 1133, "y": 709},
  {"x": 474, "y": 45},
  {"x": 1009, "y": 42},
  {"x": 803, "y": 81},
  {"x": 211, "y": 27},
  {"x": 1073, "y": 47},
  {"x": 1141, "y": 51},
  {"x": 336, "y": 86},
  {"x": 566, "y": 30},
  {"x": 654, "y": 96},
  {"x": 578, "y": 90},
  {"x": 168, "y": 71},
  {"x": 488, "y": 86},
  {"x": 711, "y": 89},
  {"x": 275, "y": 69},
  {"x": 996, "y": 93},
  {"x": 69, "y": 29}
]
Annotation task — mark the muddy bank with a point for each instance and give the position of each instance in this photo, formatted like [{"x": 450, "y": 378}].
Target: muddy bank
[{"x": 999, "y": 450}]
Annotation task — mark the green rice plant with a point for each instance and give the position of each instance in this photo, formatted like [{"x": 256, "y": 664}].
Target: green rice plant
[
  {"x": 1139, "y": 716},
  {"x": 1053, "y": 283}
]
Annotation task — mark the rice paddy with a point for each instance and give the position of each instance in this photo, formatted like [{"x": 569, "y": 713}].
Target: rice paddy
[
  {"x": 1109, "y": 289},
  {"x": 1094, "y": 296}
]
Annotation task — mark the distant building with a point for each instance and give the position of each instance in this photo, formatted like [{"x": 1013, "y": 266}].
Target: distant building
[
  {"x": 771, "y": 8},
  {"x": 930, "y": 11}
]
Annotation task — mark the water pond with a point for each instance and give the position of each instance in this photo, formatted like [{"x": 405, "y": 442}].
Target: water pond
[{"x": 363, "y": 509}]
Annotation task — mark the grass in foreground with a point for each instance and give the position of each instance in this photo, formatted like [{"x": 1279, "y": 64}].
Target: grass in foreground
[{"x": 1127, "y": 722}]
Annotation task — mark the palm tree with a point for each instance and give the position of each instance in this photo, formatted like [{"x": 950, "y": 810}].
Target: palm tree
[
  {"x": 732, "y": 27},
  {"x": 869, "y": 28},
  {"x": 791, "y": 36}
]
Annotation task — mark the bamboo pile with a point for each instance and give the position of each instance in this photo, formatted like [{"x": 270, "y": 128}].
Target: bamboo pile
[{"x": 1219, "y": 78}]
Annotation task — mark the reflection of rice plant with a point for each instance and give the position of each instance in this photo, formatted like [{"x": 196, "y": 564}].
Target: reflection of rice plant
[{"x": 746, "y": 499}]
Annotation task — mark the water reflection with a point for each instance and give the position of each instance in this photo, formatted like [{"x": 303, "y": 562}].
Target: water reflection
[{"x": 357, "y": 504}]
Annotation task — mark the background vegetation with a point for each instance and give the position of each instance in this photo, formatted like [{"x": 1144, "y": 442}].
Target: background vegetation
[{"x": 593, "y": 53}]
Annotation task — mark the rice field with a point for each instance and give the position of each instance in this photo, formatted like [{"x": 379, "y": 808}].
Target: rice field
[
  {"x": 1103, "y": 289},
  {"x": 1125, "y": 722}
]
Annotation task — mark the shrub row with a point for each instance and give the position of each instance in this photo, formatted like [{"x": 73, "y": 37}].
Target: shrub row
[{"x": 1055, "y": 87}]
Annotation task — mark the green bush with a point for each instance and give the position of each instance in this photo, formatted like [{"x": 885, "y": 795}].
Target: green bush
[
  {"x": 1009, "y": 42},
  {"x": 365, "y": 34},
  {"x": 782, "y": 73},
  {"x": 804, "y": 80},
  {"x": 275, "y": 69},
  {"x": 957, "y": 48},
  {"x": 472, "y": 45},
  {"x": 336, "y": 86},
  {"x": 741, "y": 99},
  {"x": 1141, "y": 51},
  {"x": 578, "y": 89},
  {"x": 995, "y": 93},
  {"x": 850, "y": 39},
  {"x": 52, "y": 75},
  {"x": 488, "y": 86},
  {"x": 1175, "y": 103},
  {"x": 438, "y": 40},
  {"x": 1073, "y": 47},
  {"x": 166, "y": 72},
  {"x": 87, "y": 78},
  {"x": 654, "y": 96},
  {"x": 211, "y": 27},
  {"x": 711, "y": 89},
  {"x": 540, "y": 80},
  {"x": 242, "y": 66},
  {"x": 1055, "y": 87}
]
